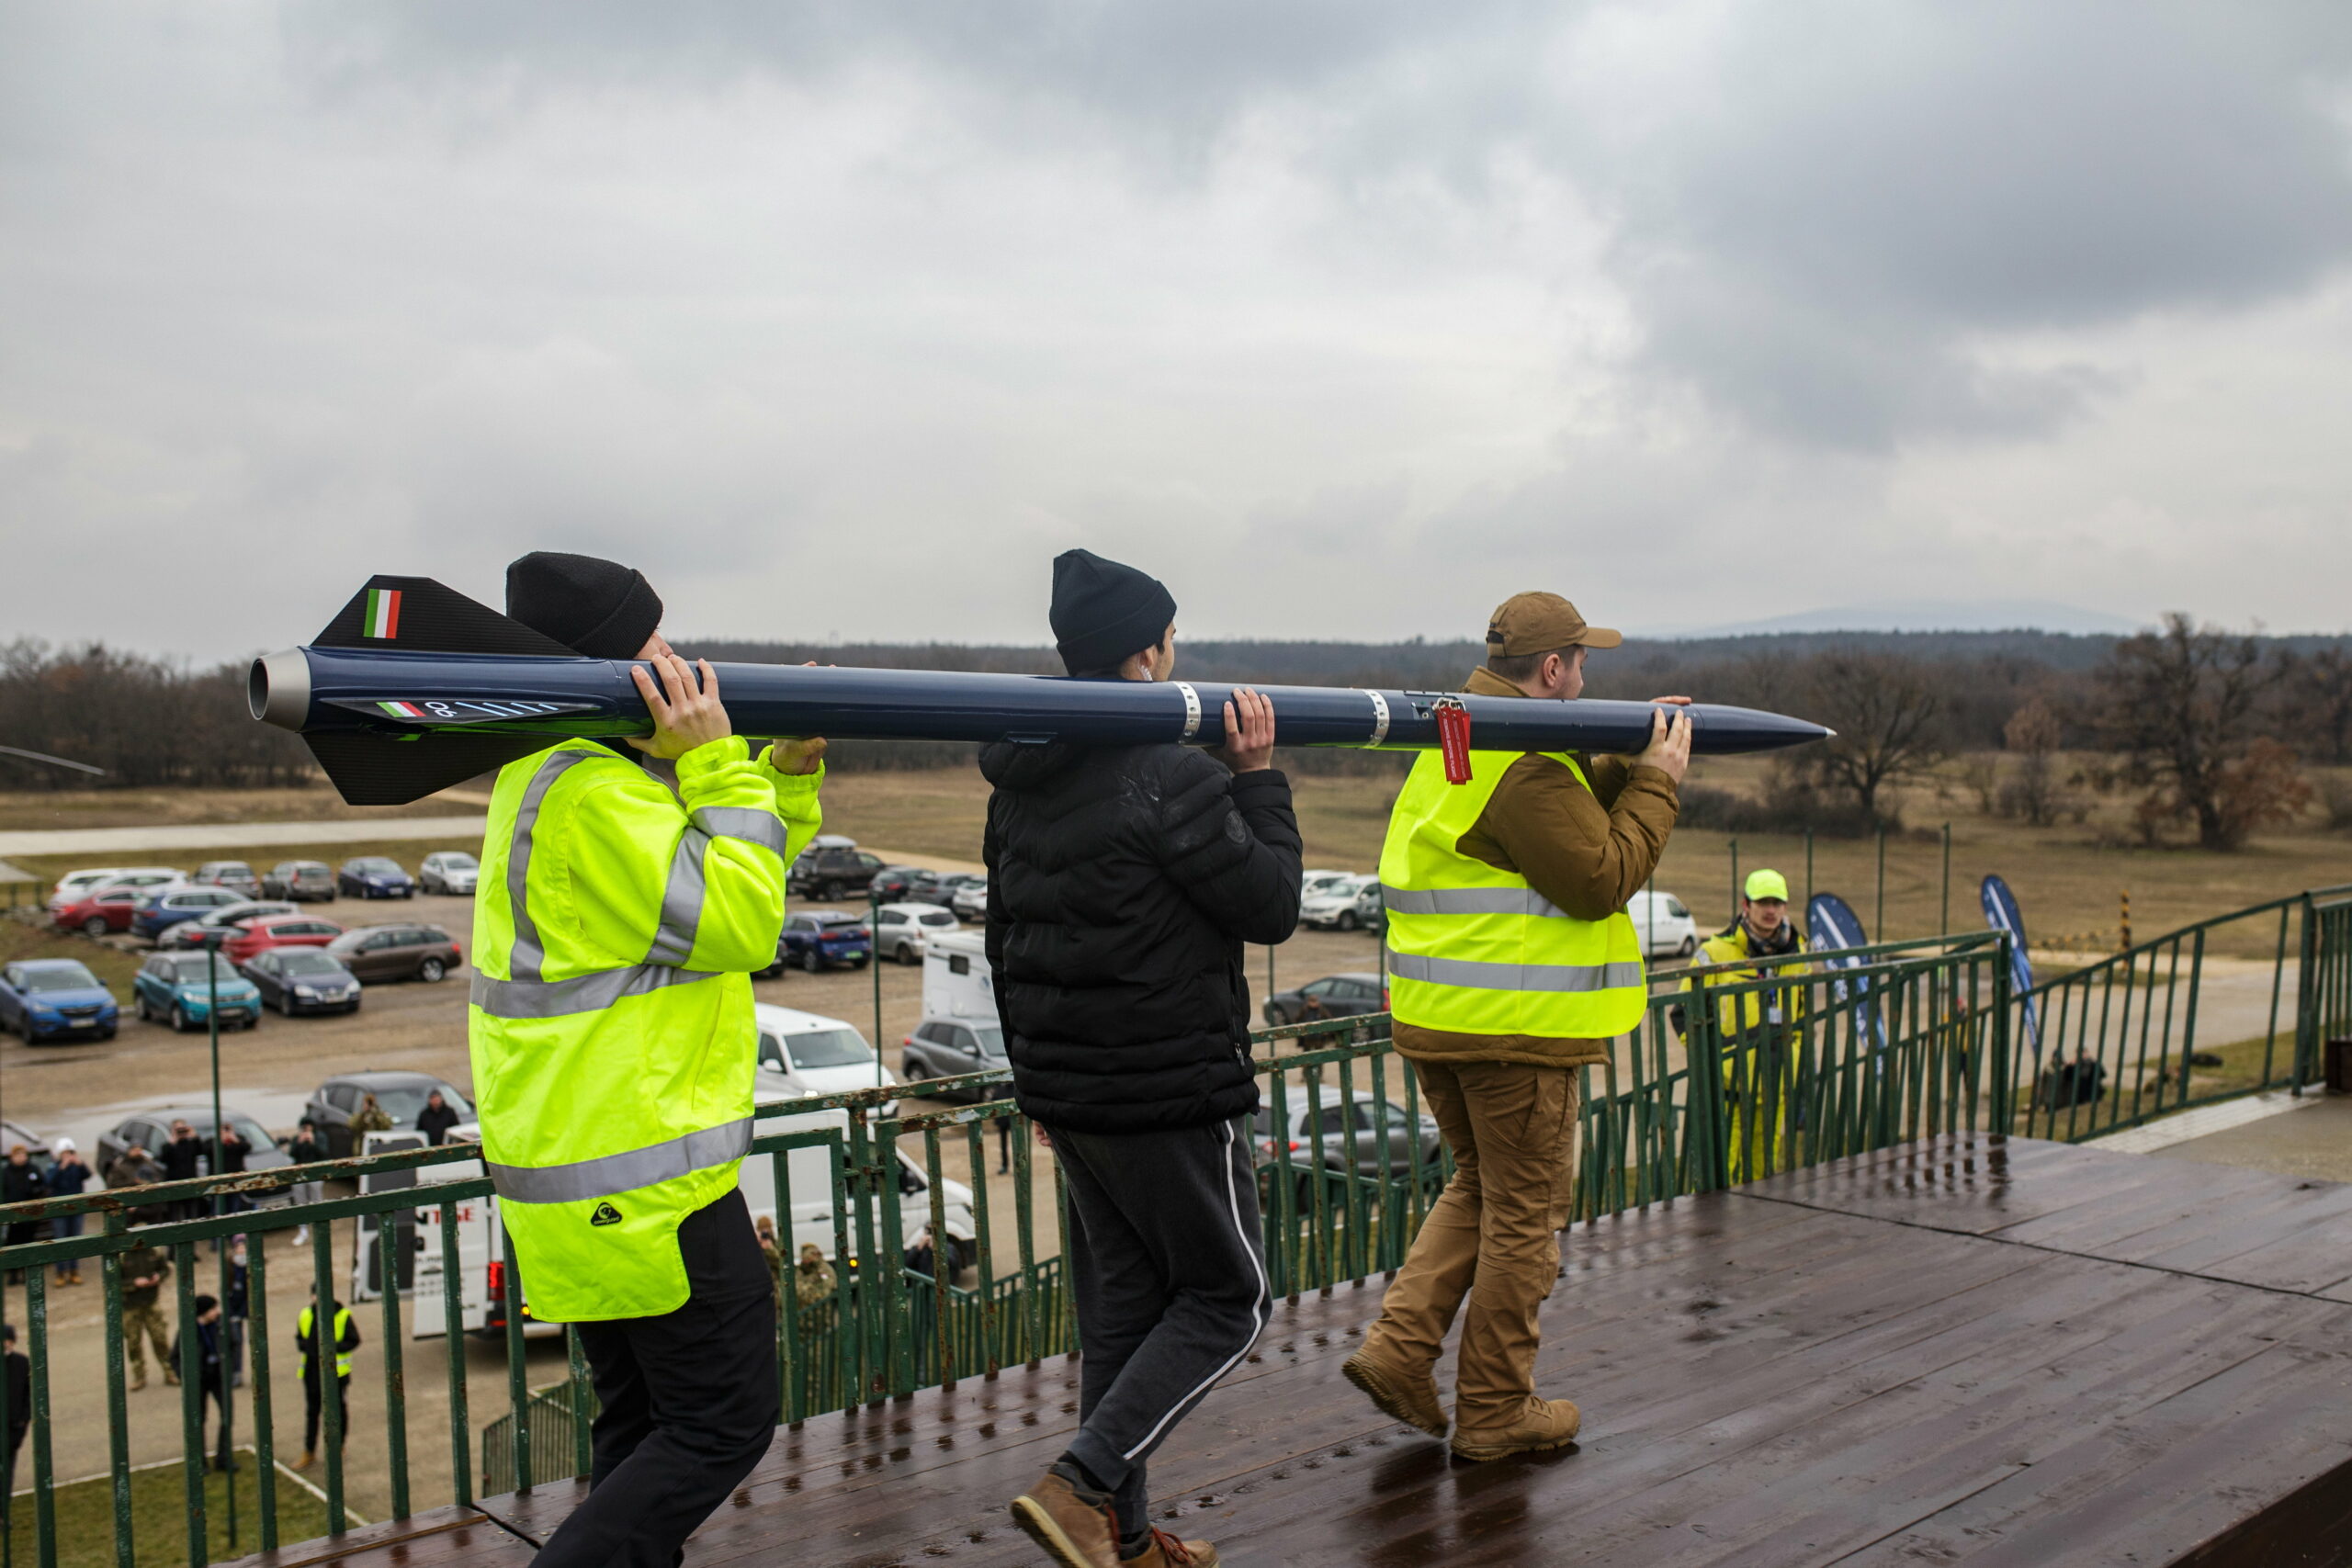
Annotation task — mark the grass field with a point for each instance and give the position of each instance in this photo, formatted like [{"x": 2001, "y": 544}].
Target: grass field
[{"x": 159, "y": 1517}]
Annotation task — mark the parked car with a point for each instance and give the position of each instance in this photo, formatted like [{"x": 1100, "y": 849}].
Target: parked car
[
  {"x": 448, "y": 870},
  {"x": 235, "y": 874},
  {"x": 1352, "y": 905},
  {"x": 164, "y": 908},
  {"x": 99, "y": 911},
  {"x": 302, "y": 881},
  {"x": 891, "y": 883},
  {"x": 55, "y": 999},
  {"x": 806, "y": 1052},
  {"x": 1313, "y": 882},
  {"x": 397, "y": 952},
  {"x": 264, "y": 931},
  {"x": 374, "y": 876},
  {"x": 937, "y": 887},
  {"x": 832, "y": 871},
  {"x": 816, "y": 938},
  {"x": 1334, "y": 996},
  {"x": 971, "y": 900},
  {"x": 178, "y": 989},
  {"x": 213, "y": 929},
  {"x": 898, "y": 929},
  {"x": 74, "y": 885},
  {"x": 950, "y": 1047},
  {"x": 1664, "y": 924},
  {"x": 1318, "y": 1137},
  {"x": 153, "y": 1129},
  {"x": 399, "y": 1095},
  {"x": 302, "y": 979}
]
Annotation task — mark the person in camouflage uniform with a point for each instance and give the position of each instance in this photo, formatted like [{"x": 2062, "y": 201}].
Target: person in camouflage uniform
[{"x": 144, "y": 1270}]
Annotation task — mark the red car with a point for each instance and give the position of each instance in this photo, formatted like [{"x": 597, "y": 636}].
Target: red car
[
  {"x": 108, "y": 909},
  {"x": 266, "y": 932}
]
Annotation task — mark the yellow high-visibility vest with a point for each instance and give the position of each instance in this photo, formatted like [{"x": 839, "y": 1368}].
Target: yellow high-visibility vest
[
  {"x": 342, "y": 1327},
  {"x": 1475, "y": 950},
  {"x": 615, "y": 928}
]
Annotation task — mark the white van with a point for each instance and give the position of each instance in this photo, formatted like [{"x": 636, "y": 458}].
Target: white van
[
  {"x": 956, "y": 979},
  {"x": 418, "y": 1234},
  {"x": 1664, "y": 924}
]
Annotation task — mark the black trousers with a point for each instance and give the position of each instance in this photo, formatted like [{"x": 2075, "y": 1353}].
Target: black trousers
[
  {"x": 689, "y": 1403},
  {"x": 1167, "y": 1264},
  {"x": 212, "y": 1391},
  {"x": 313, "y": 1406}
]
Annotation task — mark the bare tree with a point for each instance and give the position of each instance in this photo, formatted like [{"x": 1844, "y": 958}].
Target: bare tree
[
  {"x": 1886, "y": 711},
  {"x": 2318, "y": 685},
  {"x": 2186, "y": 707},
  {"x": 2033, "y": 734}
]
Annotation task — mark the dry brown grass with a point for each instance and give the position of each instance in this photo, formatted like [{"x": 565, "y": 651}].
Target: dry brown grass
[{"x": 23, "y": 810}]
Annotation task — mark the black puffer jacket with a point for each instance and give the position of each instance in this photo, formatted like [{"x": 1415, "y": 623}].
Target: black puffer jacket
[{"x": 1121, "y": 883}]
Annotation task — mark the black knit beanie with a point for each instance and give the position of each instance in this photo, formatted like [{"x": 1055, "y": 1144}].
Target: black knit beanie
[
  {"x": 1103, "y": 611},
  {"x": 596, "y": 607}
]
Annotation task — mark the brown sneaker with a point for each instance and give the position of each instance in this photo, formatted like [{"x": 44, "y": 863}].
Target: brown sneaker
[
  {"x": 1400, "y": 1395},
  {"x": 307, "y": 1461},
  {"x": 1167, "y": 1551},
  {"x": 1080, "y": 1534},
  {"x": 1545, "y": 1424}
]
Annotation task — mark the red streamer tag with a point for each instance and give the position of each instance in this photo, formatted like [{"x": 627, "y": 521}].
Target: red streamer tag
[{"x": 1453, "y": 741}]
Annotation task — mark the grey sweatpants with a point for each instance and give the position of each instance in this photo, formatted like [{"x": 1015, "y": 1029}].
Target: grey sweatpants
[{"x": 1169, "y": 1267}]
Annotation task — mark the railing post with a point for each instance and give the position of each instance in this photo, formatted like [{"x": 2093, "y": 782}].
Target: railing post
[
  {"x": 2003, "y": 1069},
  {"x": 2307, "y": 1020}
]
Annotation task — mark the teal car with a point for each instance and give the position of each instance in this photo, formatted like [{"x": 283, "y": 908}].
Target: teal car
[{"x": 177, "y": 988}]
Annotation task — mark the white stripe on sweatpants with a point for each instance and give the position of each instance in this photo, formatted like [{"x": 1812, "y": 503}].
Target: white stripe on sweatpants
[{"x": 1265, "y": 1309}]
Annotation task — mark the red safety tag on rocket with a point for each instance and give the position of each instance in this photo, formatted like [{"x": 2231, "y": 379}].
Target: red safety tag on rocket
[{"x": 1454, "y": 741}]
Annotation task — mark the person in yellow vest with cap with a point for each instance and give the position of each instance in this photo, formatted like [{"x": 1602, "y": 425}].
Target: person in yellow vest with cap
[
  {"x": 1757, "y": 1030},
  {"x": 321, "y": 1333},
  {"x": 624, "y": 901},
  {"x": 1512, "y": 964}
]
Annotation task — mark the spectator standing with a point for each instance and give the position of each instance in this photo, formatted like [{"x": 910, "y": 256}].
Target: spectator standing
[
  {"x": 814, "y": 1286},
  {"x": 183, "y": 1160},
  {"x": 136, "y": 1168},
  {"x": 435, "y": 1120},
  {"x": 321, "y": 1335},
  {"x": 21, "y": 1181},
  {"x": 370, "y": 1118},
  {"x": 16, "y": 1382},
  {"x": 68, "y": 1178},
  {"x": 235, "y": 1309},
  {"x": 922, "y": 1258},
  {"x": 1123, "y": 881},
  {"x": 307, "y": 1149},
  {"x": 770, "y": 1249},
  {"x": 211, "y": 1373},
  {"x": 144, "y": 1270}
]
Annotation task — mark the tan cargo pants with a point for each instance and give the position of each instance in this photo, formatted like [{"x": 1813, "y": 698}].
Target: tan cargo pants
[
  {"x": 1493, "y": 1237},
  {"x": 147, "y": 1321}
]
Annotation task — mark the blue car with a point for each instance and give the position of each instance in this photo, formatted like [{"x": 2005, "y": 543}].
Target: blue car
[
  {"x": 55, "y": 999},
  {"x": 175, "y": 989},
  {"x": 374, "y": 876},
  {"x": 825, "y": 937},
  {"x": 169, "y": 906}
]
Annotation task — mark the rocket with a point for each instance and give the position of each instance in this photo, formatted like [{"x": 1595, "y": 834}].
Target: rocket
[{"x": 413, "y": 687}]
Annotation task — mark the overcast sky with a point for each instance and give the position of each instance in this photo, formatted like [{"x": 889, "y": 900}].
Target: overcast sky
[{"x": 1347, "y": 317}]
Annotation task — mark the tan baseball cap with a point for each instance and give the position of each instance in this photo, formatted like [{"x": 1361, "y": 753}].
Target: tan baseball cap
[{"x": 1538, "y": 623}]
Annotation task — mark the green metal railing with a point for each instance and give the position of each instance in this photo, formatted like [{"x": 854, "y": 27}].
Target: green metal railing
[{"x": 1731, "y": 1075}]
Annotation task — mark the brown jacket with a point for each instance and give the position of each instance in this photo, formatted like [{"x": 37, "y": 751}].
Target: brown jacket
[{"x": 1588, "y": 851}]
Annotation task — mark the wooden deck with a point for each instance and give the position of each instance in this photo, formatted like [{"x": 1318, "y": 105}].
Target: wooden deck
[{"x": 1949, "y": 1352}]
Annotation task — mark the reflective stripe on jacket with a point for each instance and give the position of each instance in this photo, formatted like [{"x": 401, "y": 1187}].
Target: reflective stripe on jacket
[
  {"x": 1474, "y": 949},
  {"x": 615, "y": 928}
]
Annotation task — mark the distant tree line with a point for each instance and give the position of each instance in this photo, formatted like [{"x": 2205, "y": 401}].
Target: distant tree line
[
  {"x": 146, "y": 721},
  {"x": 2207, "y": 731}
]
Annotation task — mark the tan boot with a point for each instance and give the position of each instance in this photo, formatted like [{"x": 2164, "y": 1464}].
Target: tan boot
[
  {"x": 1545, "y": 1424},
  {"x": 1400, "y": 1395},
  {"x": 1078, "y": 1533},
  {"x": 171, "y": 1378},
  {"x": 139, "y": 1379},
  {"x": 1167, "y": 1551},
  {"x": 307, "y": 1461}
]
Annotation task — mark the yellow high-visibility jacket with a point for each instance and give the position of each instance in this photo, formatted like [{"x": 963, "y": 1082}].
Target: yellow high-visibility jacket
[{"x": 615, "y": 928}]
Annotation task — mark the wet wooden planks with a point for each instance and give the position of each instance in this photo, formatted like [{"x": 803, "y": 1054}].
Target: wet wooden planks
[
  {"x": 444, "y": 1537},
  {"x": 1953, "y": 1352}
]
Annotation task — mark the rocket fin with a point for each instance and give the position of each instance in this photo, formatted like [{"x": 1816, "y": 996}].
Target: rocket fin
[
  {"x": 418, "y": 614},
  {"x": 392, "y": 770}
]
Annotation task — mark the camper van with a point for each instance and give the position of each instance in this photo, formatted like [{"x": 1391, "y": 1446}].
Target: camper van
[
  {"x": 956, "y": 982},
  {"x": 417, "y": 1234}
]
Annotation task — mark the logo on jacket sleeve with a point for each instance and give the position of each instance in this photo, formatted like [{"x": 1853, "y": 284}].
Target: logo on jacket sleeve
[{"x": 605, "y": 1214}]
